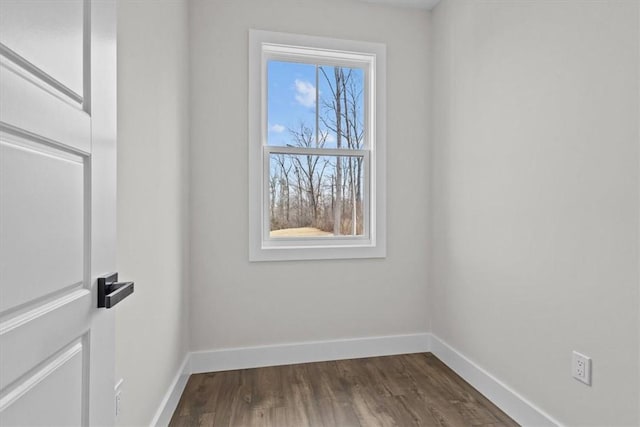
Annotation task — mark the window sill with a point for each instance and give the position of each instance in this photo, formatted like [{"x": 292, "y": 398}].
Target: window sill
[{"x": 299, "y": 253}]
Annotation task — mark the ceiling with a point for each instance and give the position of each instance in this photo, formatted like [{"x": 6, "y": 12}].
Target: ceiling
[{"x": 422, "y": 4}]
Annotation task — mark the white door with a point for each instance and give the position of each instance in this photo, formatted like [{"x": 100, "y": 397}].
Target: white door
[{"x": 57, "y": 210}]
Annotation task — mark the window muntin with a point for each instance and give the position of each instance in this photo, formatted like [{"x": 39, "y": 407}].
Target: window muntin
[{"x": 273, "y": 145}]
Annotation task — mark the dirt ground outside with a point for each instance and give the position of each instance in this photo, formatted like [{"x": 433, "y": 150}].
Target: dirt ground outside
[{"x": 300, "y": 232}]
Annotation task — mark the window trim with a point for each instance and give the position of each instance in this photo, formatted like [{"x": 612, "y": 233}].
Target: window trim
[{"x": 266, "y": 45}]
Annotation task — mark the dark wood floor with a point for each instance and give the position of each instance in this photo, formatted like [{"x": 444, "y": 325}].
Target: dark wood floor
[{"x": 405, "y": 390}]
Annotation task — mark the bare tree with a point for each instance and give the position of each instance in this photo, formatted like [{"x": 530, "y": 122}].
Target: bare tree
[
  {"x": 335, "y": 124},
  {"x": 310, "y": 168},
  {"x": 285, "y": 188},
  {"x": 343, "y": 117}
]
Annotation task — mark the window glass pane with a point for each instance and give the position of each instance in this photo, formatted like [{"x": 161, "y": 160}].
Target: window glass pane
[
  {"x": 291, "y": 104},
  {"x": 316, "y": 196},
  {"x": 341, "y": 105}
]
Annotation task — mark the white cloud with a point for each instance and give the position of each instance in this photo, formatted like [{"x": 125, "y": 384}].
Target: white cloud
[
  {"x": 305, "y": 93},
  {"x": 277, "y": 128}
]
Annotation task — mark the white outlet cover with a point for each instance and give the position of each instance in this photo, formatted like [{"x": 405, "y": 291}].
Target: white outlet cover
[
  {"x": 581, "y": 367},
  {"x": 118, "y": 403}
]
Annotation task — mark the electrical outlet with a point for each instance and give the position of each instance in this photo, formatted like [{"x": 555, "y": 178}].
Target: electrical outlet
[
  {"x": 581, "y": 367},
  {"x": 118, "y": 395}
]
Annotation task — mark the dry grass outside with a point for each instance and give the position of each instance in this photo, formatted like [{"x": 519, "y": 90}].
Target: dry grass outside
[{"x": 299, "y": 232}]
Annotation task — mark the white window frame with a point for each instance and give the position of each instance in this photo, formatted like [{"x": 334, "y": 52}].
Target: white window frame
[{"x": 267, "y": 45}]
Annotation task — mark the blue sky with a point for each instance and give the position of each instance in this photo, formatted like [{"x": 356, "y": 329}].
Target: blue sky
[{"x": 291, "y": 100}]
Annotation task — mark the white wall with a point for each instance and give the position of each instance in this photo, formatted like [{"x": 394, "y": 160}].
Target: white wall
[
  {"x": 535, "y": 197},
  {"x": 151, "y": 334},
  {"x": 236, "y": 303}
]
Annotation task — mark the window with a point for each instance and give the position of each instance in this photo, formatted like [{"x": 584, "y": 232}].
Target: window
[{"x": 316, "y": 148}]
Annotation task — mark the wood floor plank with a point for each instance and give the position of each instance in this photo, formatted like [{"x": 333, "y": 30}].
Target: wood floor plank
[
  {"x": 405, "y": 390},
  {"x": 207, "y": 419},
  {"x": 474, "y": 405},
  {"x": 413, "y": 404},
  {"x": 337, "y": 413},
  {"x": 371, "y": 409}
]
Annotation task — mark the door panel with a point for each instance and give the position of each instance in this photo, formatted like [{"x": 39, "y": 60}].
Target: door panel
[
  {"x": 33, "y": 335},
  {"x": 29, "y": 105},
  {"x": 48, "y": 35},
  {"x": 61, "y": 381},
  {"x": 42, "y": 223},
  {"x": 57, "y": 211}
]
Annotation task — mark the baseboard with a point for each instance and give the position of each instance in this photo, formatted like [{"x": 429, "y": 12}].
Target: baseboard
[
  {"x": 513, "y": 404},
  {"x": 170, "y": 400},
  {"x": 274, "y": 355}
]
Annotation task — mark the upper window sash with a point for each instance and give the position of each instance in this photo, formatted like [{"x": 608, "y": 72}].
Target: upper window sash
[{"x": 323, "y": 57}]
